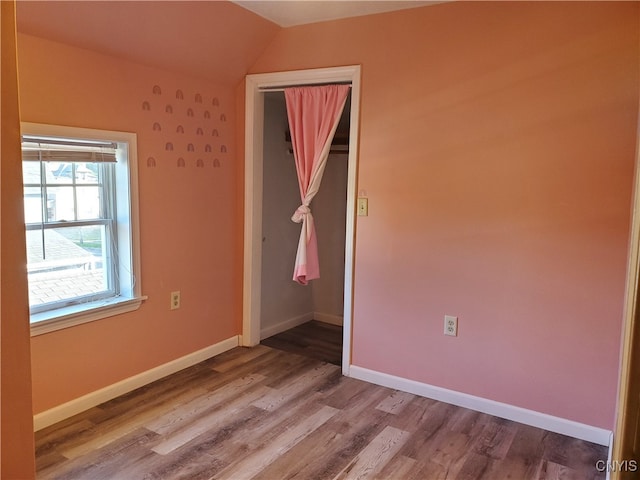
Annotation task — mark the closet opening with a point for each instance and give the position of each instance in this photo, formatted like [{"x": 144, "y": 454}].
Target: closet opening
[
  {"x": 267, "y": 310},
  {"x": 303, "y": 319}
]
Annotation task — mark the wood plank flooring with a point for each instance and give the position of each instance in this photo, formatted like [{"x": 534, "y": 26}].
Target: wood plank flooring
[
  {"x": 314, "y": 339},
  {"x": 264, "y": 413}
]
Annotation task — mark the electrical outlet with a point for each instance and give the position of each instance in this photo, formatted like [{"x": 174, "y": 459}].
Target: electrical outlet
[
  {"x": 175, "y": 300},
  {"x": 451, "y": 326}
]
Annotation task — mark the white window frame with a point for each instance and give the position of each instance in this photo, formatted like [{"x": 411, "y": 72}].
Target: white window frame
[{"x": 128, "y": 233}]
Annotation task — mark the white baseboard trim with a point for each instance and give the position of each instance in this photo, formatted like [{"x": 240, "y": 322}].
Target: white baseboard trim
[
  {"x": 286, "y": 325},
  {"x": 491, "y": 407},
  {"x": 328, "y": 318},
  {"x": 78, "y": 405}
]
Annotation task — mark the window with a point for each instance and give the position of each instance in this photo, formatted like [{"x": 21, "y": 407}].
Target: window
[{"x": 80, "y": 204}]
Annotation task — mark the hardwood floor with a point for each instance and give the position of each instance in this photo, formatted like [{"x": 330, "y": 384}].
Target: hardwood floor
[
  {"x": 263, "y": 413},
  {"x": 313, "y": 339}
]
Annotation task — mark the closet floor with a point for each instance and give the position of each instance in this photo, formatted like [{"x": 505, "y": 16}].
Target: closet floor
[{"x": 317, "y": 340}]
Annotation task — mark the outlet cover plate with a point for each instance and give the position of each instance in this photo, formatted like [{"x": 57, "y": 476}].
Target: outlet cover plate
[{"x": 451, "y": 326}]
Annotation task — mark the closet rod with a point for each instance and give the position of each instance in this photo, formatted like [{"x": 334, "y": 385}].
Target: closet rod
[{"x": 282, "y": 88}]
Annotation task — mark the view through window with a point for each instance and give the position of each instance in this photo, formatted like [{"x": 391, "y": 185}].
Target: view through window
[{"x": 77, "y": 205}]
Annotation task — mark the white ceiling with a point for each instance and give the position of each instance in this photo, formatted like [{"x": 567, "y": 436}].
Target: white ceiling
[{"x": 288, "y": 13}]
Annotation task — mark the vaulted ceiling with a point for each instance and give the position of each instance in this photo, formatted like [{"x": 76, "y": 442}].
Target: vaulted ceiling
[{"x": 216, "y": 40}]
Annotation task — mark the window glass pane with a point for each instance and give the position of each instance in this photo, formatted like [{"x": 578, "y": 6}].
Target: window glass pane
[
  {"x": 60, "y": 204},
  {"x": 88, "y": 201},
  {"x": 59, "y": 172},
  {"x": 87, "y": 173},
  {"x": 31, "y": 172},
  {"x": 64, "y": 263},
  {"x": 32, "y": 205}
]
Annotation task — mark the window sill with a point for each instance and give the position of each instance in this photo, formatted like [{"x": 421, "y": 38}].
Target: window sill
[{"x": 47, "y": 322}]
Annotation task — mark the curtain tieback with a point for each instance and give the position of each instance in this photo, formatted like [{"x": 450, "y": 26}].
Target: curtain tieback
[{"x": 300, "y": 212}]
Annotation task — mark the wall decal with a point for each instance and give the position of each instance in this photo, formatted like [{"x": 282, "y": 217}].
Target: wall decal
[{"x": 186, "y": 127}]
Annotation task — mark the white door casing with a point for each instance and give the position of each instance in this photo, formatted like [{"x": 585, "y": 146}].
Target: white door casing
[{"x": 256, "y": 85}]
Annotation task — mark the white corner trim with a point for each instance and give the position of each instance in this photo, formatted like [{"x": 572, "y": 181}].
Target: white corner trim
[
  {"x": 78, "y": 405},
  {"x": 328, "y": 318},
  {"x": 285, "y": 325},
  {"x": 491, "y": 407},
  {"x": 610, "y": 457}
]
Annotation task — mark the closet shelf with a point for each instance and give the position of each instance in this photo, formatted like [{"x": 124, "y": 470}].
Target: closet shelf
[{"x": 339, "y": 145}]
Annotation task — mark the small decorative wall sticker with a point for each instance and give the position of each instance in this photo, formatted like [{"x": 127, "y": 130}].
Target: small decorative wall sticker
[
  {"x": 179, "y": 95},
  {"x": 180, "y": 129},
  {"x": 190, "y": 112},
  {"x": 157, "y": 127},
  {"x": 200, "y": 163},
  {"x": 151, "y": 162},
  {"x": 157, "y": 90},
  {"x": 223, "y": 118},
  {"x": 207, "y": 115},
  {"x": 223, "y": 149},
  {"x": 198, "y": 98},
  {"x": 214, "y": 133},
  {"x": 146, "y": 106},
  {"x": 207, "y": 148},
  {"x": 169, "y": 147},
  {"x": 199, "y": 131},
  {"x": 168, "y": 109},
  {"x": 215, "y": 102},
  {"x": 191, "y": 148},
  {"x": 216, "y": 163},
  {"x": 181, "y": 163}
]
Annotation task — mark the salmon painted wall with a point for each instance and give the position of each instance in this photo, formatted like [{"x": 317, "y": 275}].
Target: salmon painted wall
[
  {"x": 497, "y": 151},
  {"x": 16, "y": 420},
  {"x": 188, "y": 214}
]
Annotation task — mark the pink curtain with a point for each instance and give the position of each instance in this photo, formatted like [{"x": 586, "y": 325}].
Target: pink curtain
[{"x": 314, "y": 113}]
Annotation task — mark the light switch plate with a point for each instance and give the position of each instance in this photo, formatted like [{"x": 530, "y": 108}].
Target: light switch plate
[{"x": 363, "y": 206}]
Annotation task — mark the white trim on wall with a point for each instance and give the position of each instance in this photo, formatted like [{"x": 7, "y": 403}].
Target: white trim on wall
[
  {"x": 78, "y": 405},
  {"x": 491, "y": 407},
  {"x": 254, "y": 122},
  {"x": 285, "y": 325},
  {"x": 328, "y": 318}
]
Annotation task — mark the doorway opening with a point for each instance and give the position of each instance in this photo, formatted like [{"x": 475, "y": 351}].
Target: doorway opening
[
  {"x": 303, "y": 319},
  {"x": 257, "y": 87}
]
